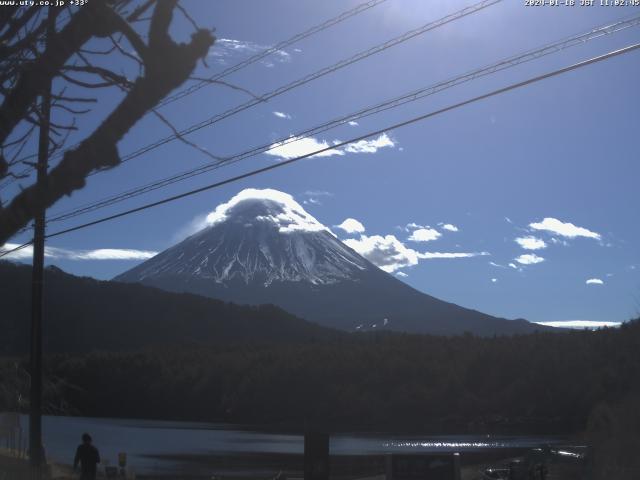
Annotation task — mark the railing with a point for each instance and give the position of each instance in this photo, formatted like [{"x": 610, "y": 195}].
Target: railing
[{"x": 13, "y": 441}]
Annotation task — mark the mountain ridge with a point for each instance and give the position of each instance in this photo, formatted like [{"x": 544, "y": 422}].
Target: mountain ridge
[
  {"x": 84, "y": 314},
  {"x": 263, "y": 247}
]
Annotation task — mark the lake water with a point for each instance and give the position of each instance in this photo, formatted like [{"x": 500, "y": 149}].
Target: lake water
[{"x": 149, "y": 444}]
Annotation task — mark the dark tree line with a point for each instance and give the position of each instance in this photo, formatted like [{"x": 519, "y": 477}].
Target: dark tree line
[
  {"x": 544, "y": 382},
  {"x": 84, "y": 314}
]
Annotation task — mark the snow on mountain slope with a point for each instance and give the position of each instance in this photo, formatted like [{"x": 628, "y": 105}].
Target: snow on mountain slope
[
  {"x": 258, "y": 236},
  {"x": 263, "y": 247}
]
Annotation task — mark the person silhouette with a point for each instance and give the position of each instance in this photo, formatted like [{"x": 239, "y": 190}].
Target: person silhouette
[{"x": 88, "y": 457}]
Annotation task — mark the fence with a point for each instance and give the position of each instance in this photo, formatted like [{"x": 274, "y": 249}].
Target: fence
[{"x": 13, "y": 441}]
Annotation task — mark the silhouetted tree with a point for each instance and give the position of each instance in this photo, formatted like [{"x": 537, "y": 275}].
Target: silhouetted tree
[{"x": 28, "y": 63}]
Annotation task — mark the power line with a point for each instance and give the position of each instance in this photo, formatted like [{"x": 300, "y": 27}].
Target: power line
[
  {"x": 245, "y": 63},
  {"x": 309, "y": 78},
  {"x": 16, "y": 249},
  {"x": 501, "y": 65},
  {"x": 404, "y": 123},
  {"x": 279, "y": 46},
  {"x": 313, "y": 76}
]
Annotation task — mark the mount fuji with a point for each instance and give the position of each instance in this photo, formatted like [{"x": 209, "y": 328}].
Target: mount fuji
[{"x": 262, "y": 247}]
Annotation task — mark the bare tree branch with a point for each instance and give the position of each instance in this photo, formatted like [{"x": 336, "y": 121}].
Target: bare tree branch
[
  {"x": 184, "y": 140},
  {"x": 112, "y": 77},
  {"x": 74, "y": 99},
  {"x": 122, "y": 51},
  {"x": 62, "y": 45},
  {"x": 132, "y": 36},
  {"x": 135, "y": 15},
  {"x": 166, "y": 66},
  {"x": 18, "y": 23},
  {"x": 230, "y": 85},
  {"x": 70, "y": 110},
  {"x": 188, "y": 17},
  {"x": 97, "y": 52},
  {"x": 83, "y": 84}
]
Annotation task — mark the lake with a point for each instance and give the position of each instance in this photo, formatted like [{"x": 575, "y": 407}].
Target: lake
[{"x": 164, "y": 446}]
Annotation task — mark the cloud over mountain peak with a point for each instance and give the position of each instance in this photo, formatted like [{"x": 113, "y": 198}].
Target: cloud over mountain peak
[{"x": 266, "y": 205}]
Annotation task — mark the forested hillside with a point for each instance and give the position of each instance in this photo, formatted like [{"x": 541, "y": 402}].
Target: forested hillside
[
  {"x": 84, "y": 314},
  {"x": 544, "y": 382}
]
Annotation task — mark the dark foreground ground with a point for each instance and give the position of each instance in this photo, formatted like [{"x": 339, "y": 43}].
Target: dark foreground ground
[{"x": 268, "y": 466}]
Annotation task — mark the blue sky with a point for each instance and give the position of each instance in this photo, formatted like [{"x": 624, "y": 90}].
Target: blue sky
[{"x": 564, "y": 150}]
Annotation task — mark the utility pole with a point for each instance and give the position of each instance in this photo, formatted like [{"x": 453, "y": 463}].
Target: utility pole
[{"x": 36, "y": 451}]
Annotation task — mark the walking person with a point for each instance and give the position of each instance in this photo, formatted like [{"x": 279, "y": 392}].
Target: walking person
[{"x": 88, "y": 457}]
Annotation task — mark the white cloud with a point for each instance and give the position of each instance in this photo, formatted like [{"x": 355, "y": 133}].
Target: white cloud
[
  {"x": 424, "y": 235},
  {"x": 280, "y": 208},
  {"x": 370, "y": 146},
  {"x": 65, "y": 254},
  {"x": 401, "y": 274},
  {"x": 23, "y": 253},
  {"x": 282, "y": 115},
  {"x": 594, "y": 281},
  {"x": 313, "y": 197},
  {"x": 528, "y": 259},
  {"x": 195, "y": 225},
  {"x": 510, "y": 265},
  {"x": 387, "y": 252},
  {"x": 413, "y": 225},
  {"x": 557, "y": 241},
  {"x": 226, "y": 49},
  {"x": 390, "y": 254},
  {"x": 351, "y": 225},
  {"x": 112, "y": 254},
  {"x": 564, "y": 229},
  {"x": 432, "y": 255},
  {"x": 296, "y": 147},
  {"x": 353, "y": 124},
  {"x": 318, "y": 193},
  {"x": 494, "y": 280},
  {"x": 531, "y": 243},
  {"x": 449, "y": 227},
  {"x": 590, "y": 324}
]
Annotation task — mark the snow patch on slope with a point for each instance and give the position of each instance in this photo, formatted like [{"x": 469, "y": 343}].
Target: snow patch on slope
[{"x": 259, "y": 236}]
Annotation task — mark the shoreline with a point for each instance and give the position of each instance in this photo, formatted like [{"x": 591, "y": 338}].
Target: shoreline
[{"x": 347, "y": 467}]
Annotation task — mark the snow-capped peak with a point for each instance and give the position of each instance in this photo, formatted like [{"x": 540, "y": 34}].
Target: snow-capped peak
[
  {"x": 266, "y": 205},
  {"x": 259, "y": 236}
]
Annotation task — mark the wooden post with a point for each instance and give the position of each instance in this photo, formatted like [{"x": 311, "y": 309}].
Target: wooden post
[
  {"x": 36, "y": 451},
  {"x": 316, "y": 455}
]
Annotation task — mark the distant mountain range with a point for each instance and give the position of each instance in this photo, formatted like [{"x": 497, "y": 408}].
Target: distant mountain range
[
  {"x": 263, "y": 247},
  {"x": 84, "y": 314}
]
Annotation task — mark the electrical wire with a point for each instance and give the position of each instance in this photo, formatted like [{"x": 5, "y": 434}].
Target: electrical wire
[
  {"x": 239, "y": 66},
  {"x": 308, "y": 78},
  {"x": 278, "y": 47},
  {"x": 413, "y": 96},
  {"x": 404, "y": 123},
  {"x": 476, "y": 7}
]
